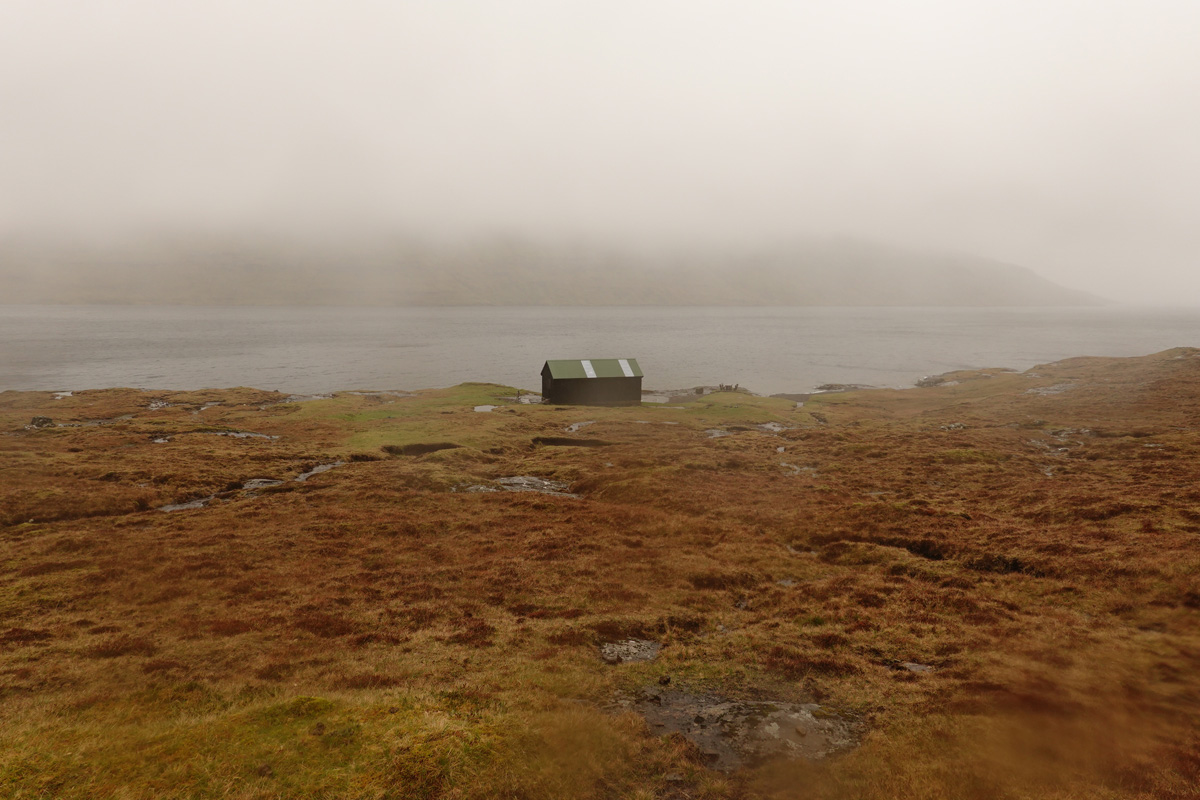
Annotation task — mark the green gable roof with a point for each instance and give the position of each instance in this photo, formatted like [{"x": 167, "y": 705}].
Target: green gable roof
[{"x": 600, "y": 368}]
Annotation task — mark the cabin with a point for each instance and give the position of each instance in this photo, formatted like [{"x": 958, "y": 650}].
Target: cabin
[{"x": 592, "y": 382}]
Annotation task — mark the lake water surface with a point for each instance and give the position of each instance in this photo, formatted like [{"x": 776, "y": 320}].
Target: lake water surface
[{"x": 767, "y": 350}]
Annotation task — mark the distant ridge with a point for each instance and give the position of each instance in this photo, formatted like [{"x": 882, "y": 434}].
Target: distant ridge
[{"x": 511, "y": 272}]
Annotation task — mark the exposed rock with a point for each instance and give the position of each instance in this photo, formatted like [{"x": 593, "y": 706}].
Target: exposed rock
[
  {"x": 244, "y": 435},
  {"x": 840, "y": 387},
  {"x": 41, "y": 422},
  {"x": 528, "y": 483},
  {"x": 629, "y": 650},
  {"x": 736, "y": 733},
  {"x": 1057, "y": 388}
]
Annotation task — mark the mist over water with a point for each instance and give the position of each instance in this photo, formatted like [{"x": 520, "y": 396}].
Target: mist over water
[
  {"x": 766, "y": 350},
  {"x": 1059, "y": 137}
]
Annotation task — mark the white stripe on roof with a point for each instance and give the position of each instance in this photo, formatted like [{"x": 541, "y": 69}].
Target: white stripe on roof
[
  {"x": 628, "y": 370},
  {"x": 587, "y": 367}
]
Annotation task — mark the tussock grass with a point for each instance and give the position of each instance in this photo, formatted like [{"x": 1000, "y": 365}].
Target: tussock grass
[{"x": 370, "y": 633}]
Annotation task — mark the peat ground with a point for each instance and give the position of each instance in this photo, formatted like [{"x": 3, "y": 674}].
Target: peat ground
[{"x": 993, "y": 581}]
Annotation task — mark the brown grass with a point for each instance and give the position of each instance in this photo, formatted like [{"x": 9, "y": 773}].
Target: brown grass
[{"x": 371, "y": 633}]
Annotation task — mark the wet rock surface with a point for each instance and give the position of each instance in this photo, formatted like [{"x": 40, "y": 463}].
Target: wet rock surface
[
  {"x": 913, "y": 666},
  {"x": 840, "y": 387},
  {"x": 629, "y": 650},
  {"x": 260, "y": 483},
  {"x": 199, "y": 502},
  {"x": 317, "y": 470},
  {"x": 738, "y": 733}
]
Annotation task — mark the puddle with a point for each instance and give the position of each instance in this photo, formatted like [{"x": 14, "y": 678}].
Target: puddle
[
  {"x": 251, "y": 485},
  {"x": 304, "y": 398},
  {"x": 160, "y": 440},
  {"x": 772, "y": 427},
  {"x": 575, "y": 427},
  {"x": 656, "y": 398},
  {"x": 561, "y": 441},
  {"x": 715, "y": 433},
  {"x": 243, "y": 435},
  {"x": 521, "y": 483},
  {"x": 260, "y": 483},
  {"x": 61, "y": 395},
  {"x": 199, "y": 502},
  {"x": 419, "y": 449},
  {"x": 786, "y": 583},
  {"x": 737, "y": 733},
  {"x": 485, "y": 409},
  {"x": 629, "y": 650},
  {"x": 317, "y": 470},
  {"x": 912, "y": 666}
]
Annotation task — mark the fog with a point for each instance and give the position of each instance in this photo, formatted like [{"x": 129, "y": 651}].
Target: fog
[{"x": 1060, "y": 136}]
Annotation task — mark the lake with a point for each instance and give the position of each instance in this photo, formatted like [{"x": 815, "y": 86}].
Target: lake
[{"x": 767, "y": 350}]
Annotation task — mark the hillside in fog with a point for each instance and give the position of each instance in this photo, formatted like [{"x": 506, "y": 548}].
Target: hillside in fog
[{"x": 510, "y": 271}]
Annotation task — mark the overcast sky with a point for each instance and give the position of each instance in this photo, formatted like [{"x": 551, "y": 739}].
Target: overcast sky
[{"x": 1063, "y": 136}]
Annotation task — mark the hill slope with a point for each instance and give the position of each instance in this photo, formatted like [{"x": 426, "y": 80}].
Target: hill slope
[{"x": 258, "y": 271}]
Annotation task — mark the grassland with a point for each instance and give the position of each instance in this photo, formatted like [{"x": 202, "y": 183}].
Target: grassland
[{"x": 377, "y": 631}]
